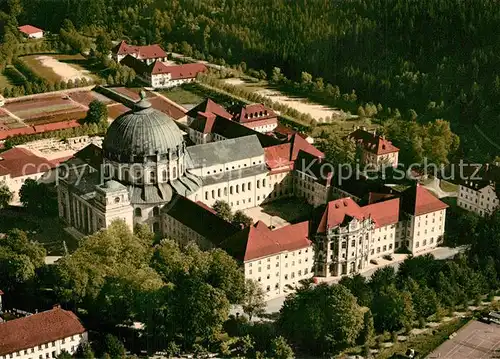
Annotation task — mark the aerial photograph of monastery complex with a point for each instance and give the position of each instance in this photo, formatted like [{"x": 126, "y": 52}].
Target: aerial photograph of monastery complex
[{"x": 239, "y": 179}]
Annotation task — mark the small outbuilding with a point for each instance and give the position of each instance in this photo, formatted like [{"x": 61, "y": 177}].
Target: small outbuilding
[{"x": 31, "y": 32}]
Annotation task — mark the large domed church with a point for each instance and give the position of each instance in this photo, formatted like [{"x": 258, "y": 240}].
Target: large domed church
[{"x": 144, "y": 164}]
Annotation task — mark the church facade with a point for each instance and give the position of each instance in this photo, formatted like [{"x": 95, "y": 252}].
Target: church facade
[{"x": 144, "y": 162}]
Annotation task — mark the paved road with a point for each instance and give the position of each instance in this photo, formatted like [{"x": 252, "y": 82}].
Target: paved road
[{"x": 275, "y": 305}]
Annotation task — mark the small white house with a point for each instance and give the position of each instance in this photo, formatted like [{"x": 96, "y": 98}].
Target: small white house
[{"x": 31, "y": 32}]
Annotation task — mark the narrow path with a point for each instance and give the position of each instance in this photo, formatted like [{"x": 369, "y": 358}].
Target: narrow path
[{"x": 435, "y": 187}]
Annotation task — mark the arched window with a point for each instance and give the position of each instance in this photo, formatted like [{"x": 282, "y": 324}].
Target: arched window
[
  {"x": 138, "y": 212},
  {"x": 264, "y": 182},
  {"x": 225, "y": 191},
  {"x": 242, "y": 187},
  {"x": 152, "y": 176},
  {"x": 156, "y": 211},
  {"x": 126, "y": 175},
  {"x": 237, "y": 188},
  {"x": 174, "y": 174},
  {"x": 164, "y": 175},
  {"x": 218, "y": 192},
  {"x": 249, "y": 186},
  {"x": 156, "y": 227},
  {"x": 213, "y": 194}
]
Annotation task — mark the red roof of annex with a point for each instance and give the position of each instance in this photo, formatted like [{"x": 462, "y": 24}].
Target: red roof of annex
[
  {"x": 373, "y": 143},
  {"x": 177, "y": 72},
  {"x": 29, "y": 29},
  {"x": 18, "y": 162},
  {"x": 259, "y": 241},
  {"x": 37, "y": 329},
  {"x": 142, "y": 52},
  {"x": 382, "y": 213}
]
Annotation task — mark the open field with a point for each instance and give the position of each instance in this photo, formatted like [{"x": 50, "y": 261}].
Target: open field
[
  {"x": 300, "y": 104},
  {"x": 182, "y": 96},
  {"x": 475, "y": 340},
  {"x": 59, "y": 67}
]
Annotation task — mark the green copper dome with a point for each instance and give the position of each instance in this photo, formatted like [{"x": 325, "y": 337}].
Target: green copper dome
[{"x": 141, "y": 132}]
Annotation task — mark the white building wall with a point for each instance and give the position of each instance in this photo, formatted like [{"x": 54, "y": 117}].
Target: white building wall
[
  {"x": 36, "y": 35},
  {"x": 50, "y": 350},
  {"x": 424, "y": 231},
  {"x": 382, "y": 241},
  {"x": 276, "y": 272},
  {"x": 482, "y": 201}
]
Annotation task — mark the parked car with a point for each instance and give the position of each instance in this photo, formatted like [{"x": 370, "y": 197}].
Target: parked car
[
  {"x": 388, "y": 257},
  {"x": 373, "y": 261}
]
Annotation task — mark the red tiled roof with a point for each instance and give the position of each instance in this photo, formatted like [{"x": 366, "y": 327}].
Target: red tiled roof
[
  {"x": 259, "y": 241},
  {"x": 417, "y": 200},
  {"x": 177, "y": 72},
  {"x": 38, "y": 129},
  {"x": 253, "y": 112},
  {"x": 278, "y": 156},
  {"x": 337, "y": 211},
  {"x": 209, "y": 106},
  {"x": 37, "y": 329},
  {"x": 16, "y": 132},
  {"x": 142, "y": 52},
  {"x": 383, "y": 213},
  {"x": 18, "y": 162},
  {"x": 163, "y": 105},
  {"x": 373, "y": 143},
  {"x": 29, "y": 29},
  {"x": 299, "y": 143}
]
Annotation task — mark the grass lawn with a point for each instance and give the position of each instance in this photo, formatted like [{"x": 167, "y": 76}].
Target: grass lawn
[
  {"x": 4, "y": 81},
  {"x": 448, "y": 186},
  {"x": 46, "y": 230},
  {"x": 42, "y": 71},
  {"x": 290, "y": 209},
  {"x": 78, "y": 62},
  {"x": 182, "y": 96}
]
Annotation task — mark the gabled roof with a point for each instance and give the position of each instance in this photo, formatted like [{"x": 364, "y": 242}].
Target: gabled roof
[
  {"x": 225, "y": 151},
  {"x": 200, "y": 219},
  {"x": 383, "y": 213},
  {"x": 373, "y": 143},
  {"x": 18, "y": 162},
  {"x": 278, "y": 156},
  {"x": 417, "y": 201},
  {"x": 29, "y": 29},
  {"x": 252, "y": 112},
  {"x": 338, "y": 211},
  {"x": 204, "y": 122},
  {"x": 178, "y": 72},
  {"x": 300, "y": 144},
  {"x": 209, "y": 106},
  {"x": 142, "y": 52},
  {"x": 37, "y": 329},
  {"x": 258, "y": 241}
]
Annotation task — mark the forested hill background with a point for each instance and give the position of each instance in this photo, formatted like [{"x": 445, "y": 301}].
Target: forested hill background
[{"x": 438, "y": 57}]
